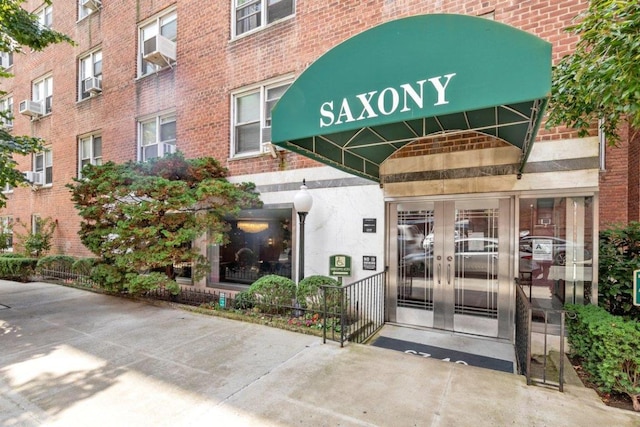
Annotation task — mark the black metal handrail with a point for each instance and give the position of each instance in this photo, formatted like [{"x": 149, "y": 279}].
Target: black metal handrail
[{"x": 358, "y": 305}]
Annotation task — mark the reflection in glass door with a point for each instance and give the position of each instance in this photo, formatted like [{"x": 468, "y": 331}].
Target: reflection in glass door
[{"x": 450, "y": 255}]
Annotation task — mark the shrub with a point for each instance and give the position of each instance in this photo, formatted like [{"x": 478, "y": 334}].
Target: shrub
[
  {"x": 55, "y": 262},
  {"x": 140, "y": 283},
  {"x": 309, "y": 293},
  {"x": 609, "y": 347},
  {"x": 108, "y": 276},
  {"x": 243, "y": 300},
  {"x": 11, "y": 255},
  {"x": 15, "y": 268},
  {"x": 272, "y": 292},
  {"x": 619, "y": 257},
  {"x": 83, "y": 266}
]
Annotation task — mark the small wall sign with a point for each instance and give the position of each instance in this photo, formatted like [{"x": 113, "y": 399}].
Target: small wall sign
[
  {"x": 368, "y": 225},
  {"x": 339, "y": 265},
  {"x": 369, "y": 262},
  {"x": 636, "y": 287}
]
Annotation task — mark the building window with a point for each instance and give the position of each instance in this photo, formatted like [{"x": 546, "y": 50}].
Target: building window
[
  {"x": 252, "y": 117},
  {"x": 87, "y": 7},
  {"x": 157, "y": 137},
  {"x": 6, "y": 59},
  {"x": 43, "y": 163},
  {"x": 8, "y": 188},
  {"x": 45, "y": 15},
  {"x": 90, "y": 77},
  {"x": 6, "y": 234},
  {"x": 6, "y": 107},
  {"x": 249, "y": 13},
  {"x": 158, "y": 43},
  {"x": 43, "y": 93},
  {"x": 89, "y": 152}
]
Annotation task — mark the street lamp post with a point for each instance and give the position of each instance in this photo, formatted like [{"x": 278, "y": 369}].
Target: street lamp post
[{"x": 302, "y": 203}]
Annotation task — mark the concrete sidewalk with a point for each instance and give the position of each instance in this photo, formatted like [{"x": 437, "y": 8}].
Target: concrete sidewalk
[{"x": 74, "y": 358}]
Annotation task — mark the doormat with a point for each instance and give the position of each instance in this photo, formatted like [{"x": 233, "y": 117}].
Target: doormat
[{"x": 444, "y": 354}]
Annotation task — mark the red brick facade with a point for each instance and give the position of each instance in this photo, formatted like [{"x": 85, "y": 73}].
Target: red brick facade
[{"x": 210, "y": 65}]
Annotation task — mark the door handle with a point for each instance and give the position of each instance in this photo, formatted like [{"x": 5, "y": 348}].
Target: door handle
[
  {"x": 439, "y": 273},
  {"x": 448, "y": 274}
]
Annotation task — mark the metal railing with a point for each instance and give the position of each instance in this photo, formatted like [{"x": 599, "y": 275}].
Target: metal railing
[
  {"x": 359, "y": 306},
  {"x": 537, "y": 372}
]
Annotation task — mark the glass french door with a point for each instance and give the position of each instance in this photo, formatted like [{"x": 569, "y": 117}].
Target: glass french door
[{"x": 453, "y": 265}]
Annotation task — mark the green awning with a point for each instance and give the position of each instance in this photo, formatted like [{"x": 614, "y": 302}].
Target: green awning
[{"x": 412, "y": 78}]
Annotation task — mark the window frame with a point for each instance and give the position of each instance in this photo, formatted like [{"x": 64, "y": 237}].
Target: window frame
[
  {"x": 44, "y": 12},
  {"x": 83, "y": 75},
  {"x": 264, "y": 118},
  {"x": 6, "y": 227},
  {"x": 155, "y": 26},
  {"x": 89, "y": 158},
  {"x": 6, "y": 105},
  {"x": 46, "y": 97},
  {"x": 6, "y": 60},
  {"x": 84, "y": 11},
  {"x": 158, "y": 122},
  {"x": 47, "y": 165},
  {"x": 262, "y": 5}
]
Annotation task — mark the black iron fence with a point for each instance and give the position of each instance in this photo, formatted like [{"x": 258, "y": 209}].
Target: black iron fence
[
  {"x": 359, "y": 307},
  {"x": 538, "y": 369},
  {"x": 64, "y": 274}
]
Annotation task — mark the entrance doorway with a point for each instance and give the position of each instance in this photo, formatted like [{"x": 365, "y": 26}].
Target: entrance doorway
[{"x": 453, "y": 263}]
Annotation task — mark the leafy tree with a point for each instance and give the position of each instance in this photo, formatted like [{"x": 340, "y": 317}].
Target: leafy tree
[
  {"x": 36, "y": 242},
  {"x": 601, "y": 78},
  {"x": 18, "y": 29},
  {"x": 142, "y": 217}
]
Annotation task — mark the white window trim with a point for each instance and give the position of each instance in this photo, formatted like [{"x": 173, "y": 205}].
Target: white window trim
[
  {"x": 262, "y": 88},
  {"x": 156, "y": 18},
  {"x": 6, "y": 104},
  {"x": 262, "y": 26},
  {"x": 157, "y": 118},
  {"x": 6, "y": 223},
  {"x": 92, "y": 157},
  {"x": 83, "y": 12},
  {"x": 43, "y": 153},
  {"x": 41, "y": 13},
  {"x": 80, "y": 71},
  {"x": 34, "y": 84}
]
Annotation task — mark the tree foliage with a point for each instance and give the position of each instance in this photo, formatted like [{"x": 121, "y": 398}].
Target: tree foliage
[
  {"x": 19, "y": 28},
  {"x": 601, "y": 78},
  {"x": 143, "y": 217}
]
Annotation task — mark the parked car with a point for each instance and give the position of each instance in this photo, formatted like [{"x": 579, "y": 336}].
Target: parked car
[{"x": 558, "y": 248}]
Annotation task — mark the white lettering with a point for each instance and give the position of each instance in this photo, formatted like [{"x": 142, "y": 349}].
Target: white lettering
[
  {"x": 395, "y": 99},
  {"x": 409, "y": 90},
  {"x": 365, "y": 98},
  {"x": 326, "y": 110},
  {"x": 440, "y": 88},
  {"x": 345, "y": 111}
]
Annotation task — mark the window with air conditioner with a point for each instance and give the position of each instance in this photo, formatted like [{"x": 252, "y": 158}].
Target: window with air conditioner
[
  {"x": 87, "y": 7},
  {"x": 43, "y": 164},
  {"x": 89, "y": 152},
  {"x": 90, "y": 77},
  {"x": 254, "y": 14},
  {"x": 6, "y": 112},
  {"x": 42, "y": 91},
  {"x": 45, "y": 15},
  {"x": 157, "y": 137},
  {"x": 252, "y": 118},
  {"x": 157, "y": 43}
]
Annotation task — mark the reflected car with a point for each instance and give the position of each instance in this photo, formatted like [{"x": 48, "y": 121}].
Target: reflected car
[{"x": 559, "y": 248}]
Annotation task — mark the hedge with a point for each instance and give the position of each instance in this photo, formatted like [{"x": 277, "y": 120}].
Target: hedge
[
  {"x": 609, "y": 347},
  {"x": 19, "y": 269}
]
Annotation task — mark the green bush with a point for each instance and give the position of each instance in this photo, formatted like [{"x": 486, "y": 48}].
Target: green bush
[
  {"x": 619, "y": 255},
  {"x": 609, "y": 347},
  {"x": 309, "y": 293},
  {"x": 139, "y": 283},
  {"x": 108, "y": 277},
  {"x": 11, "y": 255},
  {"x": 17, "y": 268},
  {"x": 55, "y": 262},
  {"x": 243, "y": 301},
  {"x": 84, "y": 265},
  {"x": 272, "y": 293}
]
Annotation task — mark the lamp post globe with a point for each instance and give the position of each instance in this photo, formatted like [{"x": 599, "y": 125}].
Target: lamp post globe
[{"x": 302, "y": 203}]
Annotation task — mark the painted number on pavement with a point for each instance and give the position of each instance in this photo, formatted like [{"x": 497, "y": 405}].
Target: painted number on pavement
[{"x": 447, "y": 359}]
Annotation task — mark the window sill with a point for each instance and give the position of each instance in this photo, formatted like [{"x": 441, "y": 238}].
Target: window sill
[
  {"x": 261, "y": 28},
  {"x": 160, "y": 70}
]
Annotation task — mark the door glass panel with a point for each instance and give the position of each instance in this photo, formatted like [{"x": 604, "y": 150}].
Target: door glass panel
[
  {"x": 415, "y": 259},
  {"x": 476, "y": 261}
]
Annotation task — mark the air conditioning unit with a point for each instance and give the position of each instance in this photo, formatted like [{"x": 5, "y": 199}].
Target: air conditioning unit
[
  {"x": 30, "y": 108},
  {"x": 159, "y": 50},
  {"x": 93, "y": 85},
  {"x": 35, "y": 178},
  {"x": 92, "y": 5}
]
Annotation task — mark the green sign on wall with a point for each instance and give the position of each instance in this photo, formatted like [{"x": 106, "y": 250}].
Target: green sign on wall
[
  {"x": 636, "y": 287},
  {"x": 339, "y": 265}
]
